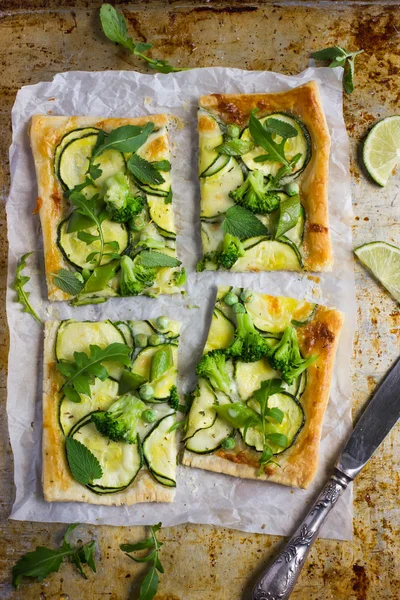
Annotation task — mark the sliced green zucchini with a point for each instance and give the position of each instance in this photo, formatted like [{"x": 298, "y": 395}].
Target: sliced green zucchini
[
  {"x": 68, "y": 137},
  {"x": 77, "y": 336},
  {"x": 162, "y": 214},
  {"x": 253, "y": 241},
  {"x": 153, "y": 191},
  {"x": 110, "y": 162},
  {"x": 215, "y": 199},
  {"x": 301, "y": 144},
  {"x": 162, "y": 409},
  {"x": 221, "y": 332},
  {"x": 103, "y": 394},
  {"x": 275, "y": 313},
  {"x": 94, "y": 297},
  {"x": 285, "y": 240},
  {"x": 74, "y": 160},
  {"x": 210, "y": 136},
  {"x": 249, "y": 376},
  {"x": 292, "y": 423},
  {"x": 302, "y": 384},
  {"x": 76, "y": 251},
  {"x": 156, "y": 148},
  {"x": 307, "y": 318},
  {"x": 141, "y": 327},
  {"x": 202, "y": 413},
  {"x": 269, "y": 256},
  {"x": 212, "y": 235},
  {"x": 142, "y": 366},
  {"x": 172, "y": 332},
  {"x": 170, "y": 235},
  {"x": 126, "y": 332},
  {"x": 120, "y": 462},
  {"x": 219, "y": 163},
  {"x": 210, "y": 439},
  {"x": 160, "y": 452}
]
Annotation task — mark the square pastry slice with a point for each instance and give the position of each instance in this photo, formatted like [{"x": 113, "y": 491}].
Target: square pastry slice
[
  {"x": 263, "y": 388},
  {"x": 263, "y": 169},
  {"x": 109, "y": 411},
  {"x": 104, "y": 191}
]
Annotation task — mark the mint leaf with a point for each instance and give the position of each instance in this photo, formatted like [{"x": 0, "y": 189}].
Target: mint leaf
[
  {"x": 127, "y": 138},
  {"x": 235, "y": 147},
  {"x": 285, "y": 130},
  {"x": 151, "y": 258},
  {"x": 144, "y": 171},
  {"x": 242, "y": 223},
  {"x": 69, "y": 282},
  {"x": 168, "y": 197},
  {"x": 82, "y": 462},
  {"x": 331, "y": 53},
  {"x": 162, "y": 165},
  {"x": 19, "y": 282},
  {"x": 339, "y": 57},
  {"x": 348, "y": 76},
  {"x": 277, "y": 438}
]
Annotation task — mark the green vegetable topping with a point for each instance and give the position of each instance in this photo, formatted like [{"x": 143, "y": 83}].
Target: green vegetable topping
[
  {"x": 246, "y": 296},
  {"x": 146, "y": 392},
  {"x": 230, "y": 250},
  {"x": 141, "y": 340},
  {"x": 119, "y": 422},
  {"x": 242, "y": 223},
  {"x": 162, "y": 322},
  {"x": 285, "y": 356},
  {"x": 82, "y": 462},
  {"x": 228, "y": 443},
  {"x": 234, "y": 147},
  {"x": 174, "y": 398},
  {"x": 149, "y": 415},
  {"x": 289, "y": 213},
  {"x": 161, "y": 362},
  {"x": 292, "y": 188},
  {"x": 19, "y": 282},
  {"x": 121, "y": 204},
  {"x": 129, "y": 381},
  {"x": 155, "y": 339},
  {"x": 70, "y": 282},
  {"x": 144, "y": 171},
  {"x": 231, "y": 298},
  {"x": 339, "y": 57},
  {"x": 135, "y": 277},
  {"x": 212, "y": 366},
  {"x": 255, "y": 195},
  {"x": 238, "y": 308},
  {"x": 248, "y": 345},
  {"x": 137, "y": 223},
  {"x": 233, "y": 131}
]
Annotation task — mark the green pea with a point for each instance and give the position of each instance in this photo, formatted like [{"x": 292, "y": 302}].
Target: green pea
[
  {"x": 231, "y": 299},
  {"x": 141, "y": 340},
  {"x": 238, "y": 308},
  {"x": 155, "y": 339},
  {"x": 162, "y": 322},
  {"x": 228, "y": 443},
  {"x": 137, "y": 223},
  {"x": 292, "y": 189},
  {"x": 149, "y": 415},
  {"x": 146, "y": 392},
  {"x": 233, "y": 131},
  {"x": 246, "y": 296}
]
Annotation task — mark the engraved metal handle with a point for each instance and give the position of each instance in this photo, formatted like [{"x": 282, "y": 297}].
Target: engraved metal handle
[{"x": 278, "y": 581}]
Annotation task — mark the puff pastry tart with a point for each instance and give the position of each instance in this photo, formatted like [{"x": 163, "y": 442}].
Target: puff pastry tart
[
  {"x": 263, "y": 388},
  {"x": 263, "y": 169}
]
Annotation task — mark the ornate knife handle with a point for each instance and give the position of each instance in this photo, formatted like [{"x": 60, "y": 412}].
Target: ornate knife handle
[{"x": 278, "y": 581}]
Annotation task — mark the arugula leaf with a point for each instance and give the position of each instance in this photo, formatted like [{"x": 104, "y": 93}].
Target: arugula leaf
[
  {"x": 93, "y": 209},
  {"x": 19, "y": 283},
  {"x": 82, "y": 372},
  {"x": 114, "y": 27},
  {"x": 168, "y": 197},
  {"x": 83, "y": 464},
  {"x": 151, "y": 258},
  {"x": 43, "y": 561},
  {"x": 144, "y": 171},
  {"x": 235, "y": 147},
  {"x": 242, "y": 223},
  {"x": 127, "y": 138},
  {"x": 339, "y": 57},
  {"x": 69, "y": 282},
  {"x": 149, "y": 586},
  {"x": 263, "y": 137}
]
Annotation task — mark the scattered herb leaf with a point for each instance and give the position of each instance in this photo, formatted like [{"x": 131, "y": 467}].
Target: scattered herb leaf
[
  {"x": 144, "y": 171},
  {"x": 168, "y": 197},
  {"x": 151, "y": 258},
  {"x": 83, "y": 464},
  {"x": 149, "y": 586},
  {"x": 339, "y": 57},
  {"x": 235, "y": 147},
  {"x": 242, "y": 223},
  {"x": 19, "y": 283},
  {"x": 162, "y": 165}
]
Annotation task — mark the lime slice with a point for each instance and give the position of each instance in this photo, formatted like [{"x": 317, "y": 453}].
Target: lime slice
[
  {"x": 381, "y": 152},
  {"x": 383, "y": 260}
]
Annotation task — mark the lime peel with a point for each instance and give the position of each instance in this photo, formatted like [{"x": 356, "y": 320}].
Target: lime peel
[
  {"x": 381, "y": 151},
  {"x": 383, "y": 260}
]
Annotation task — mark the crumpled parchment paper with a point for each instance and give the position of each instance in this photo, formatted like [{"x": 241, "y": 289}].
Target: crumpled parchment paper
[{"x": 201, "y": 497}]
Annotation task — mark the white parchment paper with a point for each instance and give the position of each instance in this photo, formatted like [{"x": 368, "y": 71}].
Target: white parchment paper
[{"x": 201, "y": 497}]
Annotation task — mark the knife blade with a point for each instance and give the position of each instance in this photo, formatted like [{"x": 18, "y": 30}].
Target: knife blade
[{"x": 379, "y": 417}]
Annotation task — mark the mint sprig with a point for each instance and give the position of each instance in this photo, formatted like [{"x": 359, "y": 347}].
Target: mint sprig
[
  {"x": 149, "y": 586},
  {"x": 82, "y": 462},
  {"x": 242, "y": 223},
  {"x": 144, "y": 171},
  {"x": 339, "y": 57},
  {"x": 70, "y": 282},
  {"x": 152, "y": 258}
]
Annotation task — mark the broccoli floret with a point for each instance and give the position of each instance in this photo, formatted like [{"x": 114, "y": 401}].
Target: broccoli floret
[
  {"x": 248, "y": 345},
  {"x": 212, "y": 366},
  {"x": 254, "y": 195},
  {"x": 119, "y": 422},
  {"x": 285, "y": 356},
  {"x": 121, "y": 204},
  {"x": 208, "y": 257},
  {"x": 135, "y": 277},
  {"x": 179, "y": 277},
  {"x": 173, "y": 398},
  {"x": 230, "y": 250}
]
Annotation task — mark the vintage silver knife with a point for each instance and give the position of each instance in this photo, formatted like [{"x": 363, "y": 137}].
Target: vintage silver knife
[{"x": 382, "y": 412}]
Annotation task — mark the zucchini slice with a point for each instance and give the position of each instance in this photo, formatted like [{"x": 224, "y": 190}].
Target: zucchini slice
[
  {"x": 202, "y": 414},
  {"x": 270, "y": 255},
  {"x": 215, "y": 199},
  {"x": 293, "y": 421},
  {"x": 212, "y": 235},
  {"x": 209, "y": 439},
  {"x": 120, "y": 462},
  {"x": 110, "y": 162},
  {"x": 156, "y": 148},
  {"x": 221, "y": 332},
  {"x": 172, "y": 332},
  {"x": 306, "y": 318},
  {"x": 103, "y": 395},
  {"x": 301, "y": 144},
  {"x": 142, "y": 365},
  {"x": 76, "y": 251},
  {"x": 162, "y": 215},
  {"x": 68, "y": 137},
  {"x": 210, "y": 136},
  {"x": 126, "y": 332},
  {"x": 73, "y": 336},
  {"x": 249, "y": 376},
  {"x": 74, "y": 160},
  {"x": 219, "y": 163},
  {"x": 160, "y": 452},
  {"x": 273, "y": 314}
]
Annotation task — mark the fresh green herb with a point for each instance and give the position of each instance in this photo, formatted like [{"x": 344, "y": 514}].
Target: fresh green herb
[
  {"x": 235, "y": 147},
  {"x": 151, "y": 258},
  {"x": 83, "y": 464},
  {"x": 43, "y": 561},
  {"x": 144, "y": 171},
  {"x": 289, "y": 214},
  {"x": 149, "y": 586},
  {"x": 82, "y": 371},
  {"x": 162, "y": 165},
  {"x": 339, "y": 57},
  {"x": 69, "y": 282},
  {"x": 241, "y": 223},
  {"x": 114, "y": 27},
  {"x": 281, "y": 128},
  {"x": 19, "y": 283},
  {"x": 168, "y": 197}
]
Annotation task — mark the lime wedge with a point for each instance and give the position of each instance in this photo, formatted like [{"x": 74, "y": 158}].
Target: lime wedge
[
  {"x": 381, "y": 152},
  {"x": 383, "y": 260}
]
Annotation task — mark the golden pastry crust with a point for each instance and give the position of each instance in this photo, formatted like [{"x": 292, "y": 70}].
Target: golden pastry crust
[
  {"x": 45, "y": 134},
  {"x": 305, "y": 103},
  {"x": 298, "y": 464},
  {"x": 58, "y": 484}
]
